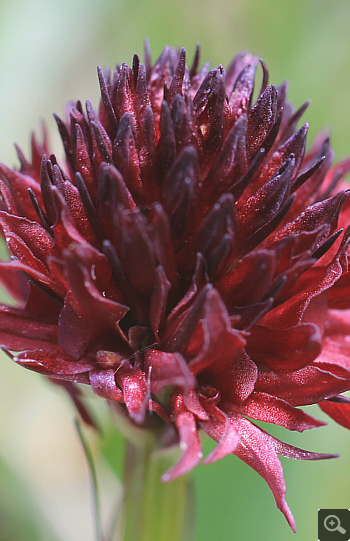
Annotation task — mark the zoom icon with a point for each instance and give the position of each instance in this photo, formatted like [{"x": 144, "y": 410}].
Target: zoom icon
[{"x": 333, "y": 524}]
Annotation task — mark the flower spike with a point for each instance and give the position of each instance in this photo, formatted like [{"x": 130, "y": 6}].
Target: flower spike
[{"x": 189, "y": 261}]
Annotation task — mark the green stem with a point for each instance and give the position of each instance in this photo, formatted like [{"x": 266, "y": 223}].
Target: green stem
[
  {"x": 92, "y": 470},
  {"x": 154, "y": 510}
]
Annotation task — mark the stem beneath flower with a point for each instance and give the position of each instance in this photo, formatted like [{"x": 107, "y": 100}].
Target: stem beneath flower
[{"x": 154, "y": 510}]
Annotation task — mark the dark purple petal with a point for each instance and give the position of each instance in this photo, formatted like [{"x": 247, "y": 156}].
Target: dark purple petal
[
  {"x": 261, "y": 118},
  {"x": 52, "y": 362},
  {"x": 178, "y": 77},
  {"x": 284, "y": 349},
  {"x": 125, "y": 156},
  {"x": 22, "y": 330},
  {"x": 159, "y": 300},
  {"x": 167, "y": 369},
  {"x": 87, "y": 315}
]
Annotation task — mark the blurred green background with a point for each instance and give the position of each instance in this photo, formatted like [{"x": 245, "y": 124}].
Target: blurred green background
[{"x": 48, "y": 55}]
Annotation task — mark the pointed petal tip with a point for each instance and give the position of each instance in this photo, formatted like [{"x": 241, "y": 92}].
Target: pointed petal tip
[
  {"x": 288, "y": 515},
  {"x": 221, "y": 450},
  {"x": 166, "y": 477},
  {"x": 183, "y": 466},
  {"x": 7, "y": 351}
]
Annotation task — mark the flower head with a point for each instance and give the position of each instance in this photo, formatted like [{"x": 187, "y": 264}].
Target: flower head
[{"x": 186, "y": 260}]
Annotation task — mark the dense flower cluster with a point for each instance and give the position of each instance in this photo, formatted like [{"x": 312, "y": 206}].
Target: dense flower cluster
[{"x": 189, "y": 261}]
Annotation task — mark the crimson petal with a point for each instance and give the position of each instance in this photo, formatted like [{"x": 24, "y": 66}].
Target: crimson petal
[
  {"x": 270, "y": 409},
  {"x": 339, "y": 412},
  {"x": 55, "y": 363},
  {"x": 257, "y": 449},
  {"x": 23, "y": 330},
  {"x": 167, "y": 369},
  {"x": 308, "y": 385},
  {"x": 189, "y": 444}
]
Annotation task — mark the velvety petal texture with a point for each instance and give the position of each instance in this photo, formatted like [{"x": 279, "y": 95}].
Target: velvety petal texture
[{"x": 188, "y": 259}]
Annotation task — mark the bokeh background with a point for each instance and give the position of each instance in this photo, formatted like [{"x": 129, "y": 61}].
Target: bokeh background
[{"x": 48, "y": 55}]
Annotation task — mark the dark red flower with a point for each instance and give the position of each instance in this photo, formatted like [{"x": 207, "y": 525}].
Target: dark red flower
[{"x": 185, "y": 261}]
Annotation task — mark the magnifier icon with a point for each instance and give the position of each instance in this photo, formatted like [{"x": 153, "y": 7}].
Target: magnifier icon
[{"x": 332, "y": 524}]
